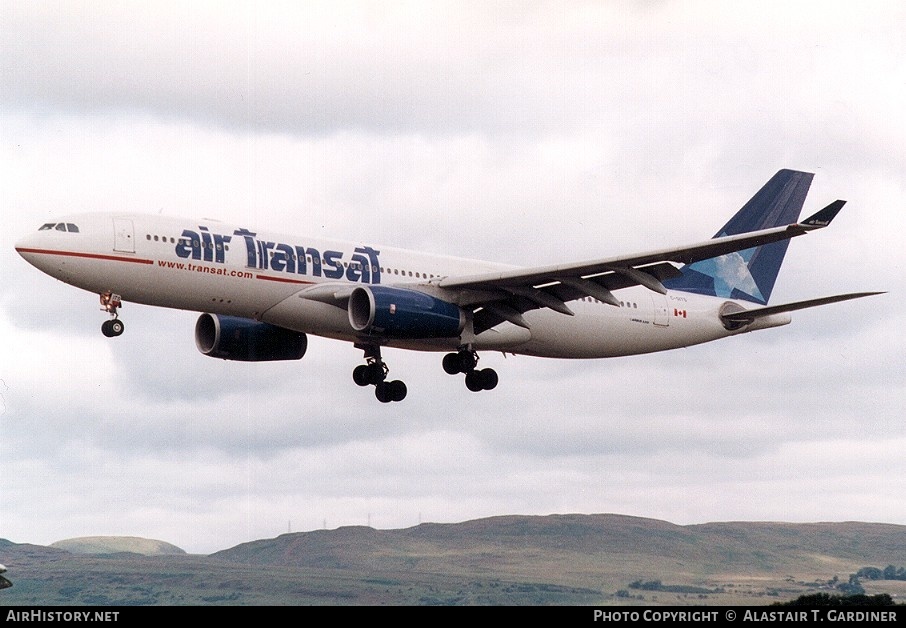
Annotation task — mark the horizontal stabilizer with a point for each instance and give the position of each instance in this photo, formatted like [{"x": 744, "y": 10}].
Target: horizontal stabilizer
[{"x": 747, "y": 316}]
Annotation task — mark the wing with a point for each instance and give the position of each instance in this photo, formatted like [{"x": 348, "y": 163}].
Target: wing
[{"x": 505, "y": 296}]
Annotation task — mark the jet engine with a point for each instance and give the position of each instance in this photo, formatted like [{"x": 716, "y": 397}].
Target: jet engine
[
  {"x": 402, "y": 313},
  {"x": 246, "y": 340}
]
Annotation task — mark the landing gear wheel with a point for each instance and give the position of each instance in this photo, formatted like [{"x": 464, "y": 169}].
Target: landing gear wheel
[
  {"x": 382, "y": 392},
  {"x": 451, "y": 363},
  {"x": 113, "y": 328},
  {"x": 374, "y": 373},
  {"x": 360, "y": 375},
  {"x": 473, "y": 381},
  {"x": 489, "y": 379},
  {"x": 463, "y": 361},
  {"x": 485, "y": 379},
  {"x": 110, "y": 303},
  {"x": 397, "y": 390},
  {"x": 390, "y": 391}
]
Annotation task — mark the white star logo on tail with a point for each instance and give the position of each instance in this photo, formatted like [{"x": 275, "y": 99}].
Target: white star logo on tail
[{"x": 731, "y": 272}]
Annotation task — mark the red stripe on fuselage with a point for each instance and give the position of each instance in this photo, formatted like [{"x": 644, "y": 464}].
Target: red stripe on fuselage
[
  {"x": 109, "y": 258},
  {"x": 282, "y": 280},
  {"x": 137, "y": 260}
]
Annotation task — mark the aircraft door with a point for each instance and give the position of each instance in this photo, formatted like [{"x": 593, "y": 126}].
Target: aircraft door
[
  {"x": 661, "y": 316},
  {"x": 123, "y": 235}
]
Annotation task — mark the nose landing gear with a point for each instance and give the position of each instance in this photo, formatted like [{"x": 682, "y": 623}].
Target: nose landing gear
[{"x": 110, "y": 303}]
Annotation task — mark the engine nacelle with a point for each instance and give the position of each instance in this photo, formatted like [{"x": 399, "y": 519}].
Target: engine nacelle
[
  {"x": 234, "y": 338},
  {"x": 402, "y": 313}
]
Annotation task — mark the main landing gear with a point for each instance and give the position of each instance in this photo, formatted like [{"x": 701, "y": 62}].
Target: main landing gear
[
  {"x": 464, "y": 361},
  {"x": 374, "y": 373},
  {"x": 110, "y": 303}
]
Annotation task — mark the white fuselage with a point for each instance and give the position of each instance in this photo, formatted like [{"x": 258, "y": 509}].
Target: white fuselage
[{"x": 208, "y": 266}]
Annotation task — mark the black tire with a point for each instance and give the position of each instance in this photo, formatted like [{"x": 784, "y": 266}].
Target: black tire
[
  {"x": 116, "y": 327},
  {"x": 360, "y": 375},
  {"x": 473, "y": 381},
  {"x": 397, "y": 390},
  {"x": 106, "y": 330},
  {"x": 452, "y": 363},
  {"x": 488, "y": 379},
  {"x": 382, "y": 392}
]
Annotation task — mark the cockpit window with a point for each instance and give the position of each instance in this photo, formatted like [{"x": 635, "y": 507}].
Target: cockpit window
[{"x": 60, "y": 226}]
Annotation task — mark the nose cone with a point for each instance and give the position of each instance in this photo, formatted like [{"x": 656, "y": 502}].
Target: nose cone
[
  {"x": 43, "y": 247},
  {"x": 29, "y": 247},
  {"x": 56, "y": 249},
  {"x": 25, "y": 244}
]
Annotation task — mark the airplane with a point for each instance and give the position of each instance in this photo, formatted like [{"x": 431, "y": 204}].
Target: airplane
[{"x": 260, "y": 294}]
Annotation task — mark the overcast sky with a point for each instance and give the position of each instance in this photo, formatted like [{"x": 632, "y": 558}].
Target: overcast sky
[{"x": 524, "y": 133}]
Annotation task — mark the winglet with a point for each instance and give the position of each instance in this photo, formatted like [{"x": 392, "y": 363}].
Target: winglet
[{"x": 824, "y": 217}]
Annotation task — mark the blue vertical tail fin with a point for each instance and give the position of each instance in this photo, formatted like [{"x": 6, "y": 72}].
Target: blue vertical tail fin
[{"x": 750, "y": 274}]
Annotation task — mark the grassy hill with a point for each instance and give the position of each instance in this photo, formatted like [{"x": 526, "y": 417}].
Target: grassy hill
[
  {"x": 117, "y": 545},
  {"x": 557, "y": 559}
]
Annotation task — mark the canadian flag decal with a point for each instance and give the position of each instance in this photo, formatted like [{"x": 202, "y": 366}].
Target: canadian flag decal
[{"x": 677, "y": 312}]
